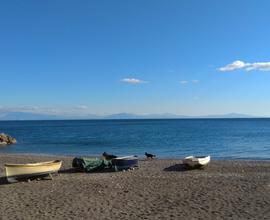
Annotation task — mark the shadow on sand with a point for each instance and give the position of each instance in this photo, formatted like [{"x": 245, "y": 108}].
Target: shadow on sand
[
  {"x": 182, "y": 168},
  {"x": 3, "y": 180},
  {"x": 69, "y": 170},
  {"x": 177, "y": 167},
  {"x": 73, "y": 170}
]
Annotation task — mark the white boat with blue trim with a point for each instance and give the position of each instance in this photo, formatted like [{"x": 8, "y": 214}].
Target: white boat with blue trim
[{"x": 125, "y": 163}]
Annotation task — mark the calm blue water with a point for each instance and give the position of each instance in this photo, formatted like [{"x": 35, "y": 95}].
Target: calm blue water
[{"x": 221, "y": 138}]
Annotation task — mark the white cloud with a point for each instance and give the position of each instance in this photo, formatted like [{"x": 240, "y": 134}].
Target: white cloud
[
  {"x": 186, "y": 81},
  {"x": 263, "y": 66},
  {"x": 32, "y": 109},
  {"x": 82, "y": 107},
  {"x": 238, "y": 64},
  {"x": 23, "y": 108},
  {"x": 132, "y": 81},
  {"x": 52, "y": 110}
]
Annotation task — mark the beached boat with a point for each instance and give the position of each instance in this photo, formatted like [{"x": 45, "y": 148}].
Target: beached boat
[
  {"x": 199, "y": 161},
  {"x": 15, "y": 172},
  {"x": 125, "y": 163}
]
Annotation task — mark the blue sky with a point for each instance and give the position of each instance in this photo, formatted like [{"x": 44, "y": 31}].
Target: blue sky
[{"x": 185, "y": 56}]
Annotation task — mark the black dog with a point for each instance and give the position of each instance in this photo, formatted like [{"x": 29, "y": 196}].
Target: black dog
[
  {"x": 149, "y": 155},
  {"x": 108, "y": 156}
]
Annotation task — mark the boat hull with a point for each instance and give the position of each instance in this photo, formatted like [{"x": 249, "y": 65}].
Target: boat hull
[
  {"x": 195, "y": 162},
  {"x": 16, "y": 172},
  {"x": 125, "y": 163}
]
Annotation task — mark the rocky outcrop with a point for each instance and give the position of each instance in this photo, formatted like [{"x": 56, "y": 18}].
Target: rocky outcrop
[{"x": 6, "y": 139}]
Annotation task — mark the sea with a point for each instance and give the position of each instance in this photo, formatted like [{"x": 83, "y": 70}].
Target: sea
[{"x": 166, "y": 138}]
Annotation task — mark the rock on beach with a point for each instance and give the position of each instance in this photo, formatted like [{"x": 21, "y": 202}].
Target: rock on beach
[{"x": 6, "y": 139}]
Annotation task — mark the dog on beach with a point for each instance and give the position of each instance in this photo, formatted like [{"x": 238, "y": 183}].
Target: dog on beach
[
  {"x": 149, "y": 156},
  {"x": 108, "y": 156}
]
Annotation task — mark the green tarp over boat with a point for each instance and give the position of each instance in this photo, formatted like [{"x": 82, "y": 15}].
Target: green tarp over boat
[{"x": 90, "y": 164}]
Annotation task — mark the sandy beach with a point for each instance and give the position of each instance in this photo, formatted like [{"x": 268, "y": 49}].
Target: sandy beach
[{"x": 159, "y": 189}]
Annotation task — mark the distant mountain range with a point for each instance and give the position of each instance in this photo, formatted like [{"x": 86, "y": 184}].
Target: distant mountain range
[{"x": 34, "y": 116}]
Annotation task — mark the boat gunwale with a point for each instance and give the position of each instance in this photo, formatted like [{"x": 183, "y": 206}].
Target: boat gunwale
[
  {"x": 192, "y": 161},
  {"x": 194, "y": 158},
  {"x": 46, "y": 163},
  {"x": 126, "y": 158}
]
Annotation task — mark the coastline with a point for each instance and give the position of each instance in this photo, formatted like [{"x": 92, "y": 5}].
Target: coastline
[
  {"x": 159, "y": 189},
  {"x": 141, "y": 157}
]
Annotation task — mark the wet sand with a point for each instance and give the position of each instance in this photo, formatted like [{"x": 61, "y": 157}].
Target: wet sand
[{"x": 159, "y": 189}]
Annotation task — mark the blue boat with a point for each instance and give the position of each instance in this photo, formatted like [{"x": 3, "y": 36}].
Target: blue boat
[{"x": 125, "y": 163}]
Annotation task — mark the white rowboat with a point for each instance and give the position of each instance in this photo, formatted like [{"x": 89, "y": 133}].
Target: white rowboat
[
  {"x": 196, "y": 161},
  {"x": 15, "y": 172}
]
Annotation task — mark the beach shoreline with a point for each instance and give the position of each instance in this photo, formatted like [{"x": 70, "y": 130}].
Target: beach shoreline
[
  {"x": 159, "y": 189},
  {"x": 141, "y": 157}
]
